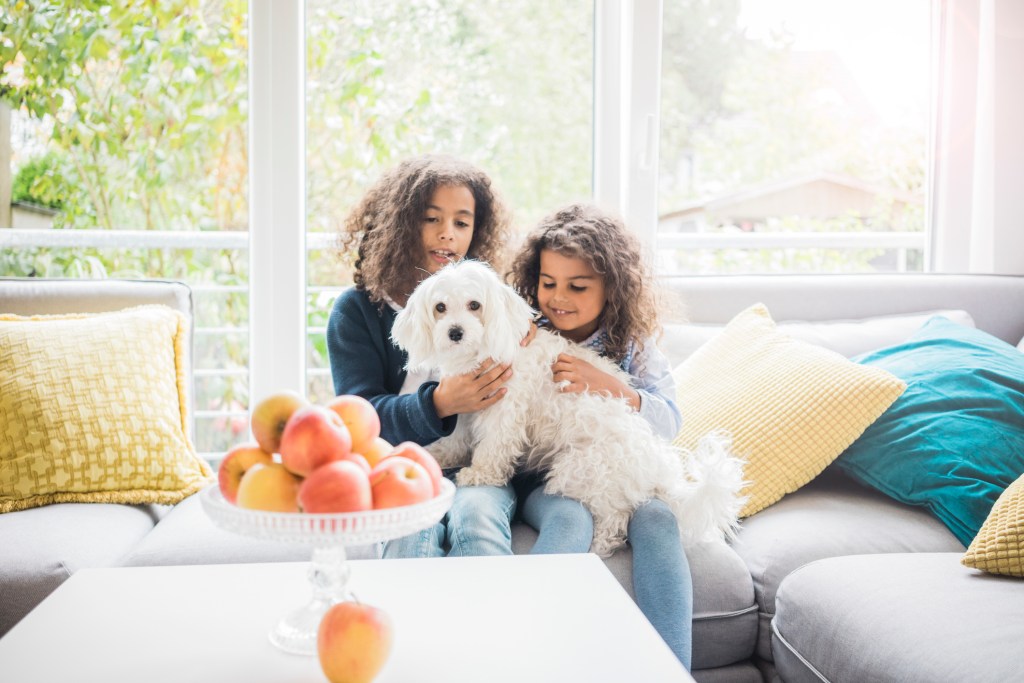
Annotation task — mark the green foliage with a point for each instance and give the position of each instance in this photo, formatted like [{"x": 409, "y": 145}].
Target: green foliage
[
  {"x": 40, "y": 182},
  {"x": 147, "y": 103}
]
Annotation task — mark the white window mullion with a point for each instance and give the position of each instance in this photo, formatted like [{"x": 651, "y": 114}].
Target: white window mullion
[
  {"x": 610, "y": 110},
  {"x": 627, "y": 82},
  {"x": 644, "y": 99},
  {"x": 277, "y": 253}
]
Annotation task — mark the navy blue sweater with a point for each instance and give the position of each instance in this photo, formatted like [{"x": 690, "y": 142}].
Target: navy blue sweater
[{"x": 365, "y": 362}]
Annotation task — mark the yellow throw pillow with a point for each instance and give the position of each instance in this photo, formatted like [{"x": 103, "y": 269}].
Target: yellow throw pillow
[
  {"x": 92, "y": 409},
  {"x": 999, "y": 546},
  {"x": 790, "y": 407}
]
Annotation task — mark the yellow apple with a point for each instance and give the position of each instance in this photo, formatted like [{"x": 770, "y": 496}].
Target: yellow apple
[
  {"x": 269, "y": 487},
  {"x": 353, "y": 642},
  {"x": 359, "y": 416},
  {"x": 270, "y": 416},
  {"x": 236, "y": 463},
  {"x": 377, "y": 450}
]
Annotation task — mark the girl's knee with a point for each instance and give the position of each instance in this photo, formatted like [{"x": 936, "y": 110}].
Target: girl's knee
[
  {"x": 654, "y": 517},
  {"x": 476, "y": 506}
]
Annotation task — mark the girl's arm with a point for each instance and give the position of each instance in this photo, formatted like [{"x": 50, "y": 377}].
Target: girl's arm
[
  {"x": 651, "y": 394},
  {"x": 365, "y": 362},
  {"x": 652, "y": 377}
]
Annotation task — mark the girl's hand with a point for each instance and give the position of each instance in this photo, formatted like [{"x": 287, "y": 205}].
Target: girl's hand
[
  {"x": 529, "y": 335},
  {"x": 582, "y": 376},
  {"x": 472, "y": 391}
]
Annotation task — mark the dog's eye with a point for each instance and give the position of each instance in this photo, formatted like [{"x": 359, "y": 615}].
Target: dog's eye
[
  {"x": 474, "y": 305},
  {"x": 440, "y": 308}
]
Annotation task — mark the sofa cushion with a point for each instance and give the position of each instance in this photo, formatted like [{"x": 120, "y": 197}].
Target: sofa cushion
[
  {"x": 846, "y": 337},
  {"x": 903, "y": 617},
  {"x": 954, "y": 440},
  {"x": 999, "y": 546},
  {"x": 93, "y": 409},
  {"x": 724, "y": 611},
  {"x": 43, "y": 546},
  {"x": 829, "y": 517},
  {"x": 790, "y": 407},
  {"x": 186, "y": 535}
]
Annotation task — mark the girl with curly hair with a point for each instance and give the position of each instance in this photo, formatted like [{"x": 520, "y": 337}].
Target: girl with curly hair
[
  {"x": 586, "y": 274},
  {"x": 421, "y": 215}
]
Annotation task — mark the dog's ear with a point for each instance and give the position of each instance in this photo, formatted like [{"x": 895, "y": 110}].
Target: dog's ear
[
  {"x": 506, "y": 321},
  {"x": 414, "y": 326}
]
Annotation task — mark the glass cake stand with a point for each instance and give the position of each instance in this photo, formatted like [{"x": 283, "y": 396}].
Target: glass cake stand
[{"x": 328, "y": 534}]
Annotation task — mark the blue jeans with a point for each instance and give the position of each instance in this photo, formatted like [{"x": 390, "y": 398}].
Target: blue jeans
[
  {"x": 480, "y": 523},
  {"x": 661, "y": 576}
]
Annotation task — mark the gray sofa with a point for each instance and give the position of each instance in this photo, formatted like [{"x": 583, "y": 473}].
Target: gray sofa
[{"x": 835, "y": 582}]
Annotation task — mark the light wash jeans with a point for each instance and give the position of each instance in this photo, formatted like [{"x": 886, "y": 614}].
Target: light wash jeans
[
  {"x": 480, "y": 523},
  {"x": 661, "y": 576}
]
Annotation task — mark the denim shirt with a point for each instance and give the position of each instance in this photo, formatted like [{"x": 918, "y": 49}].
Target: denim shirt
[{"x": 652, "y": 378}]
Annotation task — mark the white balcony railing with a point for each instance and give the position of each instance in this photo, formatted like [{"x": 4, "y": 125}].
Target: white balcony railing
[{"x": 146, "y": 239}]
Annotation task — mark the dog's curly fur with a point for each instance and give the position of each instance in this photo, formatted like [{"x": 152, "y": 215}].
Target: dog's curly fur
[{"x": 590, "y": 447}]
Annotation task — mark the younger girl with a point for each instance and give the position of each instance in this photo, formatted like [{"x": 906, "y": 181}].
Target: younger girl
[
  {"x": 419, "y": 216},
  {"x": 585, "y": 273}
]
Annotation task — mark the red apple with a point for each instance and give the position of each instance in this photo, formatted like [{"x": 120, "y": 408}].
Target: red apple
[
  {"x": 235, "y": 463},
  {"x": 377, "y": 450},
  {"x": 359, "y": 460},
  {"x": 270, "y": 416},
  {"x": 417, "y": 453},
  {"x": 314, "y": 436},
  {"x": 399, "y": 481},
  {"x": 353, "y": 642},
  {"x": 269, "y": 487},
  {"x": 340, "y": 486},
  {"x": 359, "y": 416}
]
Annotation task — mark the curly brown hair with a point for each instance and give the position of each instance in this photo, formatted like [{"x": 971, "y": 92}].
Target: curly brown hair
[
  {"x": 600, "y": 239},
  {"x": 381, "y": 236}
]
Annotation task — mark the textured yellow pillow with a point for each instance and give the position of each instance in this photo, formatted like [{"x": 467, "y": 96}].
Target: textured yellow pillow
[
  {"x": 999, "y": 546},
  {"x": 92, "y": 409},
  {"x": 790, "y": 407}
]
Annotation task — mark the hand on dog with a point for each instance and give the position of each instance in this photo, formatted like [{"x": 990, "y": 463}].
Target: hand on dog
[
  {"x": 472, "y": 391},
  {"x": 582, "y": 376}
]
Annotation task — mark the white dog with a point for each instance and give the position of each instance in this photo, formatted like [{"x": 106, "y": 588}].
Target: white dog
[{"x": 590, "y": 447}]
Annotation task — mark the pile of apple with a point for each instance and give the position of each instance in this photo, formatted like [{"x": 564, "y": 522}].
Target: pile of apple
[{"x": 324, "y": 458}]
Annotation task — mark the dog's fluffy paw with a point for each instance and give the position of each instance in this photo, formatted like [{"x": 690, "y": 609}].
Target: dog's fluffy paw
[{"x": 474, "y": 476}]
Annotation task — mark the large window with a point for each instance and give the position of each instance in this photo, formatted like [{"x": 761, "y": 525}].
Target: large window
[
  {"x": 793, "y": 135},
  {"x": 126, "y": 139},
  {"x": 203, "y": 139}
]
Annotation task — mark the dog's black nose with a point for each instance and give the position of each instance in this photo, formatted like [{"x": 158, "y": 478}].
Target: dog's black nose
[{"x": 455, "y": 333}]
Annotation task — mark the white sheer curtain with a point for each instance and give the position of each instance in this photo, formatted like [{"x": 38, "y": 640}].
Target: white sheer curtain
[{"x": 978, "y": 165}]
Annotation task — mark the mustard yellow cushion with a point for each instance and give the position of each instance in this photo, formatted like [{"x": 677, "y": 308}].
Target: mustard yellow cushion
[
  {"x": 999, "y": 546},
  {"x": 790, "y": 407},
  {"x": 92, "y": 409}
]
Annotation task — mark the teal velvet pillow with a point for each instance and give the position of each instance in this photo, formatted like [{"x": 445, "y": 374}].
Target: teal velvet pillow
[{"x": 955, "y": 439}]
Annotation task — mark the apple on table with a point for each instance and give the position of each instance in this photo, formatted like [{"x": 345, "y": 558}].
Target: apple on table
[{"x": 353, "y": 642}]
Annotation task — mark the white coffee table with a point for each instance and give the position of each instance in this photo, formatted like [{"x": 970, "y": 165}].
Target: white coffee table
[{"x": 525, "y": 618}]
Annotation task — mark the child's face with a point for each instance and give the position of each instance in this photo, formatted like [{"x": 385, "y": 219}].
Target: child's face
[
  {"x": 570, "y": 294},
  {"x": 447, "y": 226}
]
